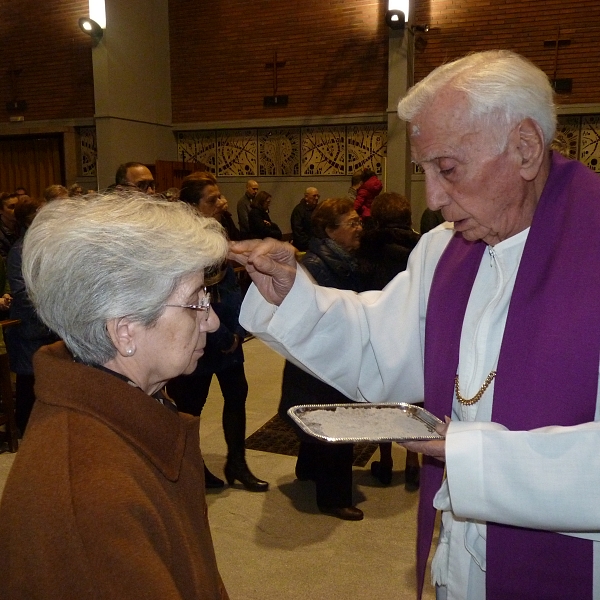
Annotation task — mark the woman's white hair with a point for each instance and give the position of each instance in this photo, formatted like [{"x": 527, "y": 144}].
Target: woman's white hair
[
  {"x": 90, "y": 259},
  {"x": 502, "y": 88}
]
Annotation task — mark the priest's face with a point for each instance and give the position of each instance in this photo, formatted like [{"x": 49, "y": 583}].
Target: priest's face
[{"x": 472, "y": 170}]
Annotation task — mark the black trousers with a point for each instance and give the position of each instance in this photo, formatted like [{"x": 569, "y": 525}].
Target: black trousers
[
  {"x": 330, "y": 465},
  {"x": 191, "y": 391},
  {"x": 24, "y": 400}
]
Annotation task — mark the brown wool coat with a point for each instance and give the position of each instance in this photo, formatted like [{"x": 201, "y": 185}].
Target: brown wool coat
[{"x": 106, "y": 495}]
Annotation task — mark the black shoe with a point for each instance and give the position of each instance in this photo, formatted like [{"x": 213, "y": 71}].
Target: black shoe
[
  {"x": 212, "y": 481},
  {"x": 382, "y": 472},
  {"x": 412, "y": 477},
  {"x": 239, "y": 470},
  {"x": 347, "y": 513}
]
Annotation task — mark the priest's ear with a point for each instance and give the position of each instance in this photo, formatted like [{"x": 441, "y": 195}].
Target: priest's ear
[{"x": 531, "y": 148}]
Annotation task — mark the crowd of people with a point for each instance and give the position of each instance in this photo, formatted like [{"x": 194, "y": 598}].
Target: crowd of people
[{"x": 130, "y": 300}]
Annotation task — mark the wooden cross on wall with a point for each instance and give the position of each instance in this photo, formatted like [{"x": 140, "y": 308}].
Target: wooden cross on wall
[{"x": 275, "y": 65}]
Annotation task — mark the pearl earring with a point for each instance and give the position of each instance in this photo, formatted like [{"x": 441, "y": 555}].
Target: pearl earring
[{"x": 129, "y": 351}]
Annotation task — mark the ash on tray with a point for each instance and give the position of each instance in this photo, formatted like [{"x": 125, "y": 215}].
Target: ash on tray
[{"x": 371, "y": 422}]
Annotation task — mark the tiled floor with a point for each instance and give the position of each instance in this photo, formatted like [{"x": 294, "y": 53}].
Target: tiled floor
[{"x": 276, "y": 545}]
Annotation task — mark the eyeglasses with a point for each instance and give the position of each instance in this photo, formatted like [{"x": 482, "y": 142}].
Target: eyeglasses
[
  {"x": 353, "y": 223},
  {"x": 145, "y": 184},
  {"x": 204, "y": 304}
]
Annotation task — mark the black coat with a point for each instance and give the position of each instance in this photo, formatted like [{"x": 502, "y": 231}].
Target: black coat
[
  {"x": 384, "y": 253},
  {"x": 261, "y": 225},
  {"x": 22, "y": 341},
  {"x": 331, "y": 269},
  {"x": 301, "y": 224}
]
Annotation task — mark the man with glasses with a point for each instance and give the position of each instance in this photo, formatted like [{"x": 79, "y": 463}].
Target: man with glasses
[{"x": 135, "y": 175}]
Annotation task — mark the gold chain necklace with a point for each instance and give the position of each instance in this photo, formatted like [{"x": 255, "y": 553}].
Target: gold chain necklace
[{"x": 470, "y": 401}]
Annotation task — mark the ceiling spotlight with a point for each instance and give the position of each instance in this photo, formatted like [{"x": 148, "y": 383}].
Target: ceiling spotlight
[
  {"x": 91, "y": 28},
  {"x": 395, "y": 19}
]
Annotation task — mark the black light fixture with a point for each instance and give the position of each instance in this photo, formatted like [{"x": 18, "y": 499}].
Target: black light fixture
[
  {"x": 396, "y": 15},
  {"x": 91, "y": 28},
  {"x": 395, "y": 19}
]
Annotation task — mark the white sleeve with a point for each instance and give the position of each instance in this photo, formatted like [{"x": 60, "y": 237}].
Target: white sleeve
[
  {"x": 370, "y": 345},
  {"x": 547, "y": 478}
]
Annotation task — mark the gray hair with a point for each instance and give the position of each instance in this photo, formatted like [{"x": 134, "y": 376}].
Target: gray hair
[
  {"x": 498, "y": 84},
  {"x": 90, "y": 259}
]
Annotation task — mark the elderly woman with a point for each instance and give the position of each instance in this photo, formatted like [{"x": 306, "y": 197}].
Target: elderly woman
[
  {"x": 106, "y": 495},
  {"x": 330, "y": 261}
]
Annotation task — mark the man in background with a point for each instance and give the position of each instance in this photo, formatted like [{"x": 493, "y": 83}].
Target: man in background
[
  {"x": 301, "y": 219},
  {"x": 135, "y": 174},
  {"x": 243, "y": 207},
  {"x": 9, "y": 229}
]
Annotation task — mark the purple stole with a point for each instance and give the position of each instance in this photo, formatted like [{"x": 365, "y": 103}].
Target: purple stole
[{"x": 547, "y": 371}]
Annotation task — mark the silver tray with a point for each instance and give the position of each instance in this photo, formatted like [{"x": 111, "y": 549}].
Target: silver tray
[{"x": 339, "y": 423}]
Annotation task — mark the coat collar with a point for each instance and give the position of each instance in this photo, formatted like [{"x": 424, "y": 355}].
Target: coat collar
[{"x": 154, "y": 430}]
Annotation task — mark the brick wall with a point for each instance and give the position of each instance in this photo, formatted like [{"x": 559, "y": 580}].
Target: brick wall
[
  {"x": 461, "y": 26},
  {"x": 335, "y": 53},
  {"x": 43, "y": 41}
]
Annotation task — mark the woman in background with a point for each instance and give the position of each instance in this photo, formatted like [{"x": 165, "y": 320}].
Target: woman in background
[
  {"x": 259, "y": 219},
  {"x": 330, "y": 260},
  {"x": 370, "y": 188},
  {"x": 23, "y": 340},
  {"x": 383, "y": 253}
]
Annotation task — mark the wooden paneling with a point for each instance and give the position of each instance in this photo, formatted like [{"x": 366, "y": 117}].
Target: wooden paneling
[
  {"x": 32, "y": 162},
  {"x": 170, "y": 174}
]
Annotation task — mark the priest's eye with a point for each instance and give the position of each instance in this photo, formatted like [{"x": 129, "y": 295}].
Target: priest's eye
[{"x": 447, "y": 172}]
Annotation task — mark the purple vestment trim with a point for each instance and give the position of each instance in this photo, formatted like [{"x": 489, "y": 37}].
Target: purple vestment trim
[{"x": 547, "y": 370}]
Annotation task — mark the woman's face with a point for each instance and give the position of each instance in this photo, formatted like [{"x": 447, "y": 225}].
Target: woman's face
[
  {"x": 347, "y": 233},
  {"x": 175, "y": 343},
  {"x": 207, "y": 204}
]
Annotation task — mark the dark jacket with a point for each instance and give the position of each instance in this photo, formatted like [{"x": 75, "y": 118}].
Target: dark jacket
[
  {"x": 23, "y": 340},
  {"x": 226, "y": 301},
  {"x": 233, "y": 233},
  {"x": 261, "y": 225},
  {"x": 329, "y": 267},
  {"x": 430, "y": 219},
  {"x": 8, "y": 238},
  {"x": 302, "y": 225},
  {"x": 384, "y": 253}
]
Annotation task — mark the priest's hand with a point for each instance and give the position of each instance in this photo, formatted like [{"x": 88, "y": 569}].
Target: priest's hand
[
  {"x": 434, "y": 448},
  {"x": 270, "y": 264}
]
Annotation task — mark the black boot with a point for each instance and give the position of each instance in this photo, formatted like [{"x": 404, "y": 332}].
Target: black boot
[
  {"x": 382, "y": 469},
  {"x": 382, "y": 472},
  {"x": 234, "y": 427},
  {"x": 236, "y": 468},
  {"x": 212, "y": 481}
]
